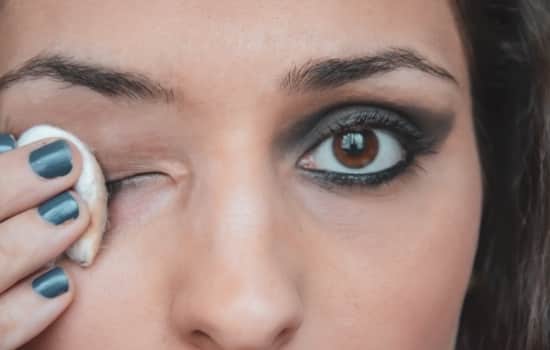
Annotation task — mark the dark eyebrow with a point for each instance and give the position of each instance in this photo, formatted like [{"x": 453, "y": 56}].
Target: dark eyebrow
[
  {"x": 106, "y": 81},
  {"x": 331, "y": 73}
]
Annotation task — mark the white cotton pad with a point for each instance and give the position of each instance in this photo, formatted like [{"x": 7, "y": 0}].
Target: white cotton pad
[{"x": 91, "y": 188}]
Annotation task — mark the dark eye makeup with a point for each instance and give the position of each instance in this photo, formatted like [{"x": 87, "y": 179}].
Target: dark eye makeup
[{"x": 414, "y": 139}]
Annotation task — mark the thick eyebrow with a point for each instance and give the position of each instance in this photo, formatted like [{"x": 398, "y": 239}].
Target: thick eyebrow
[
  {"x": 103, "y": 80},
  {"x": 335, "y": 72}
]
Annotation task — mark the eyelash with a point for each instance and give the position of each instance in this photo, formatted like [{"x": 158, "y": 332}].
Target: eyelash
[
  {"x": 412, "y": 139},
  {"x": 115, "y": 186}
]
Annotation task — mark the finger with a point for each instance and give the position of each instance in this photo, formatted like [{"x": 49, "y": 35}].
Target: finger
[
  {"x": 33, "y": 173},
  {"x": 30, "y": 306},
  {"x": 7, "y": 143},
  {"x": 90, "y": 185},
  {"x": 31, "y": 239}
]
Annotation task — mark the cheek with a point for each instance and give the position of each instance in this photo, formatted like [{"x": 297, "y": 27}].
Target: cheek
[
  {"x": 396, "y": 265},
  {"x": 398, "y": 274},
  {"x": 123, "y": 298}
]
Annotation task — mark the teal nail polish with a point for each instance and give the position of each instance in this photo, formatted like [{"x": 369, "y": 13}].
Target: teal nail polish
[
  {"x": 52, "y": 283},
  {"x": 7, "y": 143},
  {"x": 52, "y": 160},
  {"x": 59, "y": 209}
]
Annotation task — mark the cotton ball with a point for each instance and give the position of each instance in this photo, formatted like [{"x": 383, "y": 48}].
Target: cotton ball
[{"x": 90, "y": 186}]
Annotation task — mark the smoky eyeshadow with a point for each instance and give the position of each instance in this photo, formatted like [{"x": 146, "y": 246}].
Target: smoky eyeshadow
[{"x": 422, "y": 122}]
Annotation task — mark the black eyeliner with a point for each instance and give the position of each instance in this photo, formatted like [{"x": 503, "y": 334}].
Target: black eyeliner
[
  {"x": 416, "y": 140},
  {"x": 359, "y": 118},
  {"x": 435, "y": 123},
  {"x": 329, "y": 179},
  {"x": 298, "y": 137}
]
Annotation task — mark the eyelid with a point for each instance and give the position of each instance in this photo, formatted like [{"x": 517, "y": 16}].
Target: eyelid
[
  {"x": 132, "y": 181},
  {"x": 298, "y": 138},
  {"x": 361, "y": 117}
]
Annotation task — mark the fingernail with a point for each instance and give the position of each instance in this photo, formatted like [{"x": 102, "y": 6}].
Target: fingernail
[
  {"x": 52, "y": 283},
  {"x": 59, "y": 209},
  {"x": 7, "y": 143},
  {"x": 52, "y": 160}
]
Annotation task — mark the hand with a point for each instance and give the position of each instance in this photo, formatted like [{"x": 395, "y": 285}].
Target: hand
[{"x": 39, "y": 219}]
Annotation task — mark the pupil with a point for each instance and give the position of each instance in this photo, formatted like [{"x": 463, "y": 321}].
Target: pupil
[
  {"x": 353, "y": 144},
  {"x": 355, "y": 149}
]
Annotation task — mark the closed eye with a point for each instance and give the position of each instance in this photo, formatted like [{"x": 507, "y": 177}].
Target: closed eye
[{"x": 129, "y": 182}]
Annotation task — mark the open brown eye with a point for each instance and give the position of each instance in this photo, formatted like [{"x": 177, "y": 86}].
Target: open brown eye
[
  {"x": 355, "y": 149},
  {"x": 365, "y": 151}
]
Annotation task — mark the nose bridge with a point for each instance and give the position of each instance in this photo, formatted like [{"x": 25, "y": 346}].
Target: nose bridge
[
  {"x": 239, "y": 294},
  {"x": 238, "y": 192}
]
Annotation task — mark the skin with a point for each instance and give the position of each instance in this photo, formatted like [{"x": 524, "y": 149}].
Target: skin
[{"x": 232, "y": 247}]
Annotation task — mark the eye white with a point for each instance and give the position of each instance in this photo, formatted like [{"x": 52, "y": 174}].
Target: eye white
[{"x": 390, "y": 153}]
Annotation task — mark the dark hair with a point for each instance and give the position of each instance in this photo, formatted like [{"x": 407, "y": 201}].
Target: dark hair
[{"x": 507, "y": 305}]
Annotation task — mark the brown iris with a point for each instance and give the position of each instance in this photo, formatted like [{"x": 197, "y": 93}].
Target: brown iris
[{"x": 355, "y": 149}]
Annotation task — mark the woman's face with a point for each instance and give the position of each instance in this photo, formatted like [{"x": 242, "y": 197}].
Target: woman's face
[{"x": 313, "y": 179}]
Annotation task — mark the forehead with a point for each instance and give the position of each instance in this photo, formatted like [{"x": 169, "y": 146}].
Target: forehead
[{"x": 228, "y": 36}]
